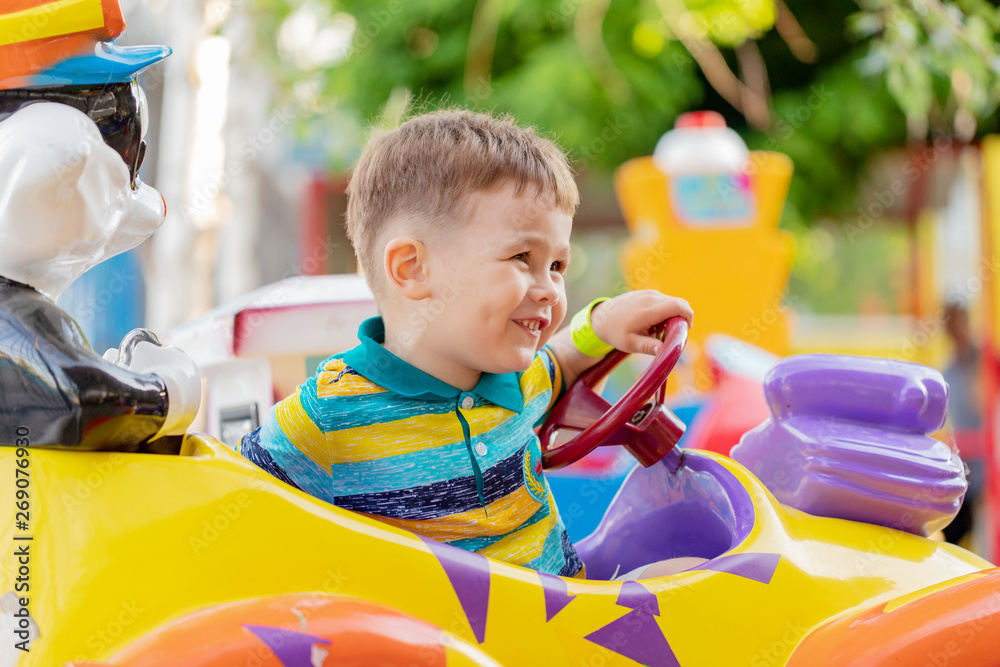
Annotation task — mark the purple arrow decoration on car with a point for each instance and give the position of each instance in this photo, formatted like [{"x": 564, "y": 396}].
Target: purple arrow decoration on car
[
  {"x": 634, "y": 596},
  {"x": 557, "y": 594},
  {"x": 757, "y": 566},
  {"x": 469, "y": 574},
  {"x": 637, "y": 635},
  {"x": 293, "y": 649}
]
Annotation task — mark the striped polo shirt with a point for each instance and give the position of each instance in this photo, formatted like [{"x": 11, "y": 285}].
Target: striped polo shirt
[{"x": 373, "y": 434}]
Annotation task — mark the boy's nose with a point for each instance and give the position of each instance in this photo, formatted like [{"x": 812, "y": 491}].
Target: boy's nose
[{"x": 546, "y": 290}]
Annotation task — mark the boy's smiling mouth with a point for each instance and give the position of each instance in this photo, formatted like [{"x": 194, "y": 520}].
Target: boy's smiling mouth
[{"x": 532, "y": 325}]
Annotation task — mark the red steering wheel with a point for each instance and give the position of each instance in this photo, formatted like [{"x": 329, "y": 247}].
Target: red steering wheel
[{"x": 646, "y": 428}]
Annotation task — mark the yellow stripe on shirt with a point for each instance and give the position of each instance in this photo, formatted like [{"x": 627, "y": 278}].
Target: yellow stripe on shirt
[
  {"x": 535, "y": 380},
  {"x": 302, "y": 432},
  {"x": 376, "y": 441},
  {"x": 329, "y": 384},
  {"x": 332, "y": 364},
  {"x": 501, "y": 516},
  {"x": 413, "y": 434},
  {"x": 524, "y": 545}
]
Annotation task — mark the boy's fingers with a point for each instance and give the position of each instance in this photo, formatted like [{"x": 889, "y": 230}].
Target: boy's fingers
[
  {"x": 660, "y": 317},
  {"x": 643, "y": 344},
  {"x": 685, "y": 311},
  {"x": 672, "y": 308}
]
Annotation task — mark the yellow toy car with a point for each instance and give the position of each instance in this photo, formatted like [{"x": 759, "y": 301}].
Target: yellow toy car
[{"x": 200, "y": 558}]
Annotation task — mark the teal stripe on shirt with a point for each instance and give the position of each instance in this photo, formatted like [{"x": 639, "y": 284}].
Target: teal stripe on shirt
[
  {"x": 307, "y": 474},
  {"x": 335, "y": 413},
  {"x": 552, "y": 557}
]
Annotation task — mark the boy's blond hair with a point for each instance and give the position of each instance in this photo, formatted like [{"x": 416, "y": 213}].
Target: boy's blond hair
[{"x": 425, "y": 169}]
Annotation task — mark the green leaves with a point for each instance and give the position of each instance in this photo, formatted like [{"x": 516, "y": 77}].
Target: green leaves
[
  {"x": 731, "y": 22},
  {"x": 606, "y": 78},
  {"x": 939, "y": 60}
]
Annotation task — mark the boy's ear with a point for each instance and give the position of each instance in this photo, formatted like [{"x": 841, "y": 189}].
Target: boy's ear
[{"x": 406, "y": 267}]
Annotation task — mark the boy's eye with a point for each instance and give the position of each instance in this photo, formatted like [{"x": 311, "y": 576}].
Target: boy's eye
[
  {"x": 558, "y": 266},
  {"x": 522, "y": 256}
]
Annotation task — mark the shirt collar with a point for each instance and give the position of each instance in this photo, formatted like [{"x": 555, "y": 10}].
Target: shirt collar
[{"x": 385, "y": 369}]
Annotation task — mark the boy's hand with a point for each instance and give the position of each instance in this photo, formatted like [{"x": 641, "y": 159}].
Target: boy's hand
[{"x": 625, "y": 320}]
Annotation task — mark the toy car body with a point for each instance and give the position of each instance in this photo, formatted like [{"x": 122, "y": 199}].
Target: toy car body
[
  {"x": 125, "y": 547},
  {"x": 200, "y": 558}
]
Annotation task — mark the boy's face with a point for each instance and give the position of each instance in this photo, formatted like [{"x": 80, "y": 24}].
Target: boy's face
[{"x": 499, "y": 280}]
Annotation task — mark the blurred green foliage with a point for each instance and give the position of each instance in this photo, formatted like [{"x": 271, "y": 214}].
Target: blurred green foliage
[
  {"x": 834, "y": 276},
  {"x": 731, "y": 22},
  {"x": 941, "y": 61},
  {"x": 606, "y": 78}
]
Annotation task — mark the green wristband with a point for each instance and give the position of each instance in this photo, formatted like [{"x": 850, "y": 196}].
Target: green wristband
[{"x": 583, "y": 334}]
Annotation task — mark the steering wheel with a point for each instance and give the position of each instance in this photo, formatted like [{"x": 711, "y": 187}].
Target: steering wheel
[{"x": 646, "y": 428}]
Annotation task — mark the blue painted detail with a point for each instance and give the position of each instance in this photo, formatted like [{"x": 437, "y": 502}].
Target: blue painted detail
[
  {"x": 108, "y": 64},
  {"x": 108, "y": 301},
  {"x": 582, "y": 501},
  {"x": 686, "y": 413},
  {"x": 713, "y": 200}
]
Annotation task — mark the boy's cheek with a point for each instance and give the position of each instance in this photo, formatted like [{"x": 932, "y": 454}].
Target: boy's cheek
[{"x": 558, "y": 314}]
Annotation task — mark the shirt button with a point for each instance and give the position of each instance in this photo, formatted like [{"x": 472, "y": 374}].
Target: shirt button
[
  {"x": 467, "y": 403},
  {"x": 481, "y": 449}
]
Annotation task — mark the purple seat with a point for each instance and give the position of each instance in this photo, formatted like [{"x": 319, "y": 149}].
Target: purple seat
[
  {"x": 847, "y": 439},
  {"x": 669, "y": 510}
]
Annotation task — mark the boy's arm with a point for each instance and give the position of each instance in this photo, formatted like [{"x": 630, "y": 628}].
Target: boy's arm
[{"x": 622, "y": 322}]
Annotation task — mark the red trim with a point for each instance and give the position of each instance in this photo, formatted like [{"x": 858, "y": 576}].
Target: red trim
[
  {"x": 699, "y": 119},
  {"x": 991, "y": 374},
  {"x": 248, "y": 320},
  {"x": 315, "y": 212}
]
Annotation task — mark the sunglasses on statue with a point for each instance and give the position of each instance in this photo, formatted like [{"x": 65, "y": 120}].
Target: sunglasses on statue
[{"x": 118, "y": 109}]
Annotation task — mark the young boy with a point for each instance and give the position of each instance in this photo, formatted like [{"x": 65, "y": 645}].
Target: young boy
[{"x": 461, "y": 223}]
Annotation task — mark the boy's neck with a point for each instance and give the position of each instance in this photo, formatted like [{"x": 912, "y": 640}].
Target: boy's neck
[{"x": 414, "y": 351}]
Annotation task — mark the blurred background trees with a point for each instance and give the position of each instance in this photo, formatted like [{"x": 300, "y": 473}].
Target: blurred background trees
[
  {"x": 831, "y": 84},
  {"x": 264, "y": 106},
  {"x": 827, "y": 83}
]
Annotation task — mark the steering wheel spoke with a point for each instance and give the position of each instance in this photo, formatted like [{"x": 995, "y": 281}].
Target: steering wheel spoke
[
  {"x": 647, "y": 429},
  {"x": 585, "y": 408}
]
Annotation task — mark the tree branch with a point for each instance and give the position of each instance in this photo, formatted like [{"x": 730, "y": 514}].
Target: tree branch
[
  {"x": 482, "y": 43},
  {"x": 714, "y": 66},
  {"x": 588, "y": 26}
]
